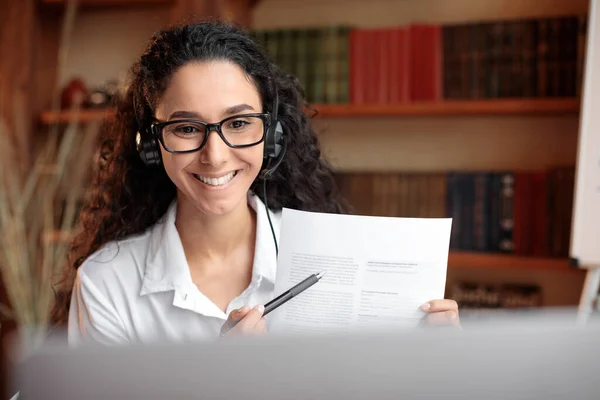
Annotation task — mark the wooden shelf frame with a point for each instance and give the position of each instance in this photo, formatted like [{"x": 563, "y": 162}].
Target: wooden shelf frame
[
  {"x": 455, "y": 107},
  {"x": 447, "y": 108},
  {"x": 88, "y": 4},
  {"x": 83, "y": 116},
  {"x": 497, "y": 261}
]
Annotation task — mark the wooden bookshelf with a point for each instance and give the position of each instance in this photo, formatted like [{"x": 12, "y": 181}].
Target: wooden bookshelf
[
  {"x": 67, "y": 116},
  {"x": 460, "y": 259},
  {"x": 111, "y": 3},
  {"x": 454, "y": 107},
  {"x": 467, "y": 107}
]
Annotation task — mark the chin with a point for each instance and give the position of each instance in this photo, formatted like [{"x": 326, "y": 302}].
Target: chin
[{"x": 216, "y": 209}]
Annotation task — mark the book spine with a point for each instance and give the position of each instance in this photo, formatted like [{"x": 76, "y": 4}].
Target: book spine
[
  {"x": 343, "y": 64},
  {"x": 481, "y": 210},
  {"x": 495, "y": 193},
  {"x": 453, "y": 206},
  {"x": 507, "y": 213}
]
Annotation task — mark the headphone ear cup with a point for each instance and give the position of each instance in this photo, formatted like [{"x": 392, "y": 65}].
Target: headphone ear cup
[
  {"x": 268, "y": 143},
  {"x": 275, "y": 148},
  {"x": 278, "y": 139},
  {"x": 148, "y": 150},
  {"x": 273, "y": 141}
]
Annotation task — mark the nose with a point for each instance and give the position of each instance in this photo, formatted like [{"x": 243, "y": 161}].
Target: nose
[{"x": 215, "y": 151}]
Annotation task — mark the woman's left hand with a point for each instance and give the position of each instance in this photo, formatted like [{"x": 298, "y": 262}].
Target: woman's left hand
[{"x": 441, "y": 313}]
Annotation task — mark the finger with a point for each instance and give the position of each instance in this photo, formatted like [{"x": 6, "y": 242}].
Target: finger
[
  {"x": 248, "y": 323},
  {"x": 233, "y": 318},
  {"x": 261, "y": 326},
  {"x": 443, "y": 318},
  {"x": 440, "y": 305},
  {"x": 238, "y": 314}
]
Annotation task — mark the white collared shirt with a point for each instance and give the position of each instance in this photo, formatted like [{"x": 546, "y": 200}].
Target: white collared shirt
[{"x": 140, "y": 289}]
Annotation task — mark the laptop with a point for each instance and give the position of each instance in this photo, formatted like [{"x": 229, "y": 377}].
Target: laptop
[{"x": 542, "y": 355}]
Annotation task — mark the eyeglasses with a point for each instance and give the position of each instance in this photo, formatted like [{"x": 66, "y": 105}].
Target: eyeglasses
[{"x": 189, "y": 135}]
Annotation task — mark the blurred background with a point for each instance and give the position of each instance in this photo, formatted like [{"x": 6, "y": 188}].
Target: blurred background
[{"x": 426, "y": 108}]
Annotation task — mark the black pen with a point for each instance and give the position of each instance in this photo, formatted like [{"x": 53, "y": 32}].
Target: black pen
[{"x": 284, "y": 297}]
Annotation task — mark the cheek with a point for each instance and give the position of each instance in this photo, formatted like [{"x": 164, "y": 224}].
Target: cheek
[
  {"x": 253, "y": 156},
  {"x": 175, "y": 164}
]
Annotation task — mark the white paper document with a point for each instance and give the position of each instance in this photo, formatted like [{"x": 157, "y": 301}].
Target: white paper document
[{"x": 379, "y": 271}]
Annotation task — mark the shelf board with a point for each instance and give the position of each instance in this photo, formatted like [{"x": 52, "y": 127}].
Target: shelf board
[
  {"x": 66, "y": 116},
  {"x": 453, "y": 107},
  {"x": 111, "y": 3},
  {"x": 90, "y": 4},
  {"x": 463, "y": 107},
  {"x": 464, "y": 259}
]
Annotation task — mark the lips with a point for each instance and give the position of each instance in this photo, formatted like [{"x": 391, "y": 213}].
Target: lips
[{"x": 218, "y": 181}]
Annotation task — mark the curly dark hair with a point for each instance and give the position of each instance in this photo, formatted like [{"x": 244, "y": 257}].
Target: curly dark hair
[{"x": 127, "y": 197}]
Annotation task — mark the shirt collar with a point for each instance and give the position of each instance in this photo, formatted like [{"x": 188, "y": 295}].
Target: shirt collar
[{"x": 166, "y": 265}]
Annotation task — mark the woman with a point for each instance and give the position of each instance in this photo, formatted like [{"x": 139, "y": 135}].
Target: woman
[{"x": 176, "y": 240}]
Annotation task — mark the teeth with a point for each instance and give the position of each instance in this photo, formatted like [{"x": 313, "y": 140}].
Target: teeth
[{"x": 222, "y": 180}]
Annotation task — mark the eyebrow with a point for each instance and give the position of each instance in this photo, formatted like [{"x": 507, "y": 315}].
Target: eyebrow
[
  {"x": 192, "y": 114},
  {"x": 238, "y": 108}
]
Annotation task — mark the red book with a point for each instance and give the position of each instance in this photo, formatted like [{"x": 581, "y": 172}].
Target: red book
[
  {"x": 435, "y": 88},
  {"x": 370, "y": 65},
  {"x": 405, "y": 65},
  {"x": 357, "y": 55},
  {"x": 523, "y": 213},
  {"x": 426, "y": 62},
  {"x": 399, "y": 50},
  {"x": 540, "y": 245},
  {"x": 416, "y": 62},
  {"x": 382, "y": 71}
]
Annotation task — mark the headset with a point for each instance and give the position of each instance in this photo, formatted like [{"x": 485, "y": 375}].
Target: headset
[{"x": 274, "y": 151}]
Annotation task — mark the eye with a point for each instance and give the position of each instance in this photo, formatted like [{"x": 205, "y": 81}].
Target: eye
[
  {"x": 183, "y": 130},
  {"x": 238, "y": 124},
  {"x": 187, "y": 129}
]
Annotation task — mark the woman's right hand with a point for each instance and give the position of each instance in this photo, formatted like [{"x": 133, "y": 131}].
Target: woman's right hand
[{"x": 250, "y": 321}]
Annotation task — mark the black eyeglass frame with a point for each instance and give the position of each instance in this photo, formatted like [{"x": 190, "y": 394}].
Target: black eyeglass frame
[{"x": 157, "y": 131}]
